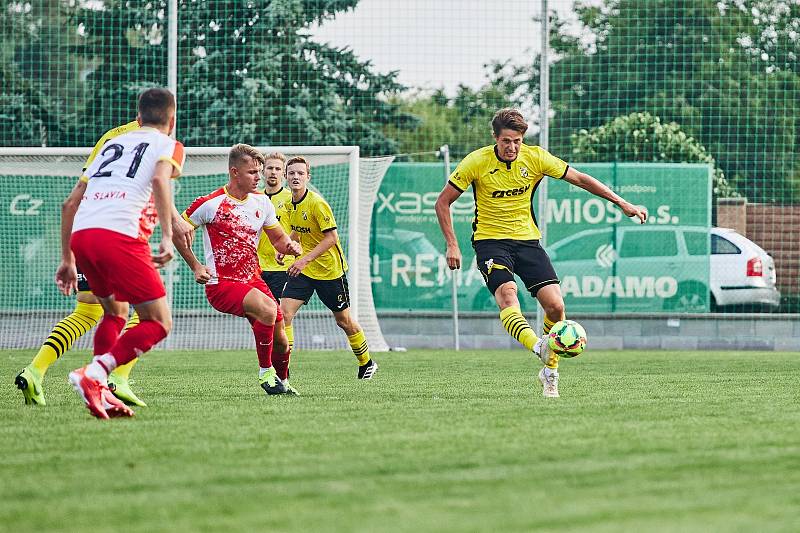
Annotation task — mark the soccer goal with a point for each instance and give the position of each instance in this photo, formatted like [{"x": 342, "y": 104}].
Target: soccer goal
[{"x": 34, "y": 182}]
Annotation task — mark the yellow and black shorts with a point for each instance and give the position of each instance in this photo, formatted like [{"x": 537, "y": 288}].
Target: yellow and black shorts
[
  {"x": 499, "y": 259},
  {"x": 276, "y": 281},
  {"x": 334, "y": 293}
]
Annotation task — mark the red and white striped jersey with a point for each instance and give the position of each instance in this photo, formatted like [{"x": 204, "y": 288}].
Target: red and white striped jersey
[
  {"x": 231, "y": 228},
  {"x": 120, "y": 183}
]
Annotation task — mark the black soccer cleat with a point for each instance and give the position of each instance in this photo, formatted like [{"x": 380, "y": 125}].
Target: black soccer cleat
[{"x": 368, "y": 370}]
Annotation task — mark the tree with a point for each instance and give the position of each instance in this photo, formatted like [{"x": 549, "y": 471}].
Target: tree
[
  {"x": 697, "y": 63},
  {"x": 247, "y": 73},
  {"x": 463, "y": 121},
  {"x": 641, "y": 137}
]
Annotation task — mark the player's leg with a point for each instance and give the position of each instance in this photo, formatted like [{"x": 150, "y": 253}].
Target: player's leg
[
  {"x": 119, "y": 380},
  {"x": 87, "y": 313},
  {"x": 495, "y": 259},
  {"x": 335, "y": 294},
  {"x": 122, "y": 271},
  {"x": 262, "y": 310},
  {"x": 281, "y": 356},
  {"x": 296, "y": 292},
  {"x": 537, "y": 272},
  {"x": 282, "y": 345}
]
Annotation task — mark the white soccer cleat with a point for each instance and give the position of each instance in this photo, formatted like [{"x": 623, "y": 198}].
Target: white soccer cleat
[
  {"x": 549, "y": 383},
  {"x": 543, "y": 351}
]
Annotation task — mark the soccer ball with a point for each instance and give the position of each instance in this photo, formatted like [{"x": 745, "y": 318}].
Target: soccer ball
[{"x": 567, "y": 338}]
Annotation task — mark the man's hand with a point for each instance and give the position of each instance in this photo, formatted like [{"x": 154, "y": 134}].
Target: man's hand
[
  {"x": 297, "y": 267},
  {"x": 637, "y": 211},
  {"x": 279, "y": 258},
  {"x": 165, "y": 254},
  {"x": 182, "y": 231},
  {"x": 453, "y": 255},
  {"x": 295, "y": 248},
  {"x": 202, "y": 275},
  {"x": 67, "y": 278}
]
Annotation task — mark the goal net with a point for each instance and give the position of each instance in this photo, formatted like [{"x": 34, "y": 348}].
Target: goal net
[{"x": 34, "y": 182}]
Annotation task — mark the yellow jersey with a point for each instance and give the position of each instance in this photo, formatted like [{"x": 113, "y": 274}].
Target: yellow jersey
[
  {"x": 504, "y": 190},
  {"x": 282, "y": 200},
  {"x": 311, "y": 218},
  {"x": 107, "y": 136}
]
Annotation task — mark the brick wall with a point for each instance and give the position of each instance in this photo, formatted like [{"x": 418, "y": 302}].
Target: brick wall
[{"x": 776, "y": 228}]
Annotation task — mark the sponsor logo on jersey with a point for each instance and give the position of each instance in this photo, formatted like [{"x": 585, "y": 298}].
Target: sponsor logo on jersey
[
  {"x": 300, "y": 229},
  {"x": 510, "y": 192}
]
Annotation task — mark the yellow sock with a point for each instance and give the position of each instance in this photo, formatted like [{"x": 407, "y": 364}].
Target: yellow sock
[
  {"x": 547, "y": 325},
  {"x": 124, "y": 371},
  {"x": 358, "y": 343},
  {"x": 65, "y": 333},
  {"x": 290, "y": 335},
  {"x": 132, "y": 321},
  {"x": 518, "y": 327}
]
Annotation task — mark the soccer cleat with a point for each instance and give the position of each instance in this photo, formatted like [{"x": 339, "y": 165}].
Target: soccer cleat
[
  {"x": 29, "y": 381},
  {"x": 367, "y": 370},
  {"x": 90, "y": 390},
  {"x": 113, "y": 406},
  {"x": 121, "y": 388},
  {"x": 549, "y": 383},
  {"x": 270, "y": 383},
  {"x": 544, "y": 352},
  {"x": 290, "y": 391}
]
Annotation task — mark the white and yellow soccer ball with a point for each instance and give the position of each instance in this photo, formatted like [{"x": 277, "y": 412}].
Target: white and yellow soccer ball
[{"x": 567, "y": 338}]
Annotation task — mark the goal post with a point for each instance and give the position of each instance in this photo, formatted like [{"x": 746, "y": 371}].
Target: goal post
[{"x": 42, "y": 177}]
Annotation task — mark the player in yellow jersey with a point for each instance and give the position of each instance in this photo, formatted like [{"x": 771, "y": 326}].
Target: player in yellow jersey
[
  {"x": 322, "y": 267},
  {"x": 505, "y": 237},
  {"x": 86, "y": 316},
  {"x": 273, "y": 272}
]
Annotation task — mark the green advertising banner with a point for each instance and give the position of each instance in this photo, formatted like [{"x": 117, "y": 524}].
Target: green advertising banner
[
  {"x": 610, "y": 263},
  {"x": 607, "y": 262},
  {"x": 31, "y": 242}
]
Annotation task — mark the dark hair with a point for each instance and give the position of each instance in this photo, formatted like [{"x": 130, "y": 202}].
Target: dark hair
[
  {"x": 509, "y": 119},
  {"x": 239, "y": 152},
  {"x": 156, "y": 106},
  {"x": 299, "y": 159}
]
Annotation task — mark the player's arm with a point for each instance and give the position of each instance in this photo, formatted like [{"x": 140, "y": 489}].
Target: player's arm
[
  {"x": 596, "y": 187},
  {"x": 184, "y": 247},
  {"x": 330, "y": 238},
  {"x": 282, "y": 243},
  {"x": 67, "y": 275},
  {"x": 162, "y": 195},
  {"x": 293, "y": 235},
  {"x": 181, "y": 230},
  {"x": 446, "y": 198}
]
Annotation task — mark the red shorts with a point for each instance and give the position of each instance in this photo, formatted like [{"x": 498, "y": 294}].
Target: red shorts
[
  {"x": 227, "y": 296},
  {"x": 116, "y": 264}
]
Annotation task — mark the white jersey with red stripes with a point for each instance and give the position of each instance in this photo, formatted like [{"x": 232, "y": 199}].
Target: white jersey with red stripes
[
  {"x": 120, "y": 183},
  {"x": 231, "y": 228}
]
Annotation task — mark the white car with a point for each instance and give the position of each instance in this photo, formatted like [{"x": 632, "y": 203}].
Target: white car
[
  {"x": 742, "y": 273},
  {"x": 642, "y": 268}
]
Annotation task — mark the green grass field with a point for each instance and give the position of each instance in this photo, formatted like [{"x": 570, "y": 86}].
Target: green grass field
[{"x": 438, "y": 441}]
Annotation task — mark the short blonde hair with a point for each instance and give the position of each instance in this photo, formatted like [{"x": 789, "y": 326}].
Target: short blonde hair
[
  {"x": 239, "y": 152},
  {"x": 275, "y": 155}
]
